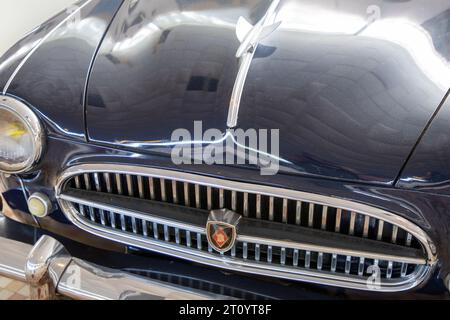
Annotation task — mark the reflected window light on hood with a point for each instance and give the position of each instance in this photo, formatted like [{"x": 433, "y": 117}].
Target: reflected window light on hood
[
  {"x": 410, "y": 36},
  {"x": 418, "y": 43}
]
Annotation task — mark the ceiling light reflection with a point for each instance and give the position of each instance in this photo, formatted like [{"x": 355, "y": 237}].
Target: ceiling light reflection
[
  {"x": 418, "y": 43},
  {"x": 309, "y": 17}
]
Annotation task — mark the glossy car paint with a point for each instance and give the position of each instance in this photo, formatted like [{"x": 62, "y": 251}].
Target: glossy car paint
[
  {"x": 428, "y": 169},
  {"x": 171, "y": 60},
  {"x": 350, "y": 100},
  {"x": 111, "y": 120},
  {"x": 426, "y": 210},
  {"x": 12, "y": 58},
  {"x": 54, "y": 77},
  {"x": 192, "y": 276},
  {"x": 350, "y": 93}
]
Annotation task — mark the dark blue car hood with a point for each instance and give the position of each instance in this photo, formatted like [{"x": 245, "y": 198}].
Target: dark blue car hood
[
  {"x": 349, "y": 93},
  {"x": 350, "y": 101}
]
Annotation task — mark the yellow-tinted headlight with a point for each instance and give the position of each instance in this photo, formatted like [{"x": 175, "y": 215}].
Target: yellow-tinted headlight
[{"x": 20, "y": 136}]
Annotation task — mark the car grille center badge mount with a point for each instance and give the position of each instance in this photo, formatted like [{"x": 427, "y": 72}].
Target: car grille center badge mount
[{"x": 222, "y": 229}]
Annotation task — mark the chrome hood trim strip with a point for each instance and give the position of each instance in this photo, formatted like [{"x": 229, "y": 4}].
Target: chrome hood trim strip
[{"x": 249, "y": 36}]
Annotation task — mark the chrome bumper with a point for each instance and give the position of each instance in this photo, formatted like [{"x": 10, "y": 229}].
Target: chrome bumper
[{"x": 51, "y": 270}]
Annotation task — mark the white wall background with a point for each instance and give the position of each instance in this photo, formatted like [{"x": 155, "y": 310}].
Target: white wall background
[{"x": 21, "y": 16}]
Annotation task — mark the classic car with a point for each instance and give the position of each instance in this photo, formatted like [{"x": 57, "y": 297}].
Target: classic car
[{"x": 246, "y": 149}]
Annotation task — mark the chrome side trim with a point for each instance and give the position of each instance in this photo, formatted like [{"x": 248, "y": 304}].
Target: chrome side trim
[
  {"x": 38, "y": 45},
  {"x": 99, "y": 283},
  {"x": 50, "y": 270},
  {"x": 13, "y": 257}
]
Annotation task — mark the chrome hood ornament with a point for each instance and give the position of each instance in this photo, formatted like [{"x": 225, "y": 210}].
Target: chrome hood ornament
[
  {"x": 250, "y": 35},
  {"x": 221, "y": 229}
]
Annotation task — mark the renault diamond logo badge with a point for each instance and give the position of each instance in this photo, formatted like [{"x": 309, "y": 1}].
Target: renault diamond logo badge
[{"x": 221, "y": 229}]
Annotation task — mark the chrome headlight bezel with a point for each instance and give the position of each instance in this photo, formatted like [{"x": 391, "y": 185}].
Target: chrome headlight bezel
[{"x": 29, "y": 119}]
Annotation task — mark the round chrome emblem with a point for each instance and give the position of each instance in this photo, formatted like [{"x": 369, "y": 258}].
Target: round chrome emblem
[{"x": 221, "y": 229}]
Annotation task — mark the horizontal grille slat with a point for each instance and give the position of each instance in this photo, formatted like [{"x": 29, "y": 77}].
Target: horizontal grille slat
[
  {"x": 317, "y": 216},
  {"x": 280, "y": 255},
  {"x": 253, "y": 205}
]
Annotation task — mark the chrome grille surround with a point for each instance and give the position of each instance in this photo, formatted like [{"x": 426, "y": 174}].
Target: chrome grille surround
[{"x": 255, "y": 255}]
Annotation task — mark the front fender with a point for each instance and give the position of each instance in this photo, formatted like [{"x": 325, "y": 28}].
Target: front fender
[
  {"x": 428, "y": 168},
  {"x": 49, "y": 68}
]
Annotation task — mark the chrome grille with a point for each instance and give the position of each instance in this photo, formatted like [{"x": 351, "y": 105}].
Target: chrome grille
[
  {"x": 286, "y": 259},
  {"x": 276, "y": 255},
  {"x": 259, "y": 206}
]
